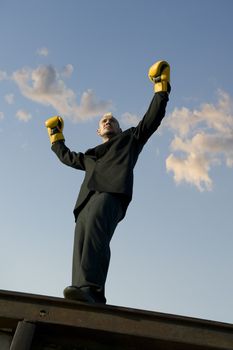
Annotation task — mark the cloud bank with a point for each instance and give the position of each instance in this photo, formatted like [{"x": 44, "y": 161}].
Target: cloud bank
[
  {"x": 203, "y": 138},
  {"x": 45, "y": 85}
]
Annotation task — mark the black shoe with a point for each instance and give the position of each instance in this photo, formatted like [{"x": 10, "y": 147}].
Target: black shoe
[
  {"x": 78, "y": 294},
  {"x": 94, "y": 293}
]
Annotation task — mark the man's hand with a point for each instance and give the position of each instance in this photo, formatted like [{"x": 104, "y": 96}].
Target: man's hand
[
  {"x": 159, "y": 73},
  {"x": 55, "y": 126}
]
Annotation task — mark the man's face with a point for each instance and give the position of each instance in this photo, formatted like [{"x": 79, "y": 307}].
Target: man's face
[{"x": 108, "y": 126}]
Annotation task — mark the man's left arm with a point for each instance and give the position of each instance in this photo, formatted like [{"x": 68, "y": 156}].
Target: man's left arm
[{"x": 159, "y": 73}]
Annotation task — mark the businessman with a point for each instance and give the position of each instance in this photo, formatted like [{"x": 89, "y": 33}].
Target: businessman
[{"x": 107, "y": 187}]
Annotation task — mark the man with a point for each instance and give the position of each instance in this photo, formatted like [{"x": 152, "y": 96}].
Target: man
[{"x": 107, "y": 187}]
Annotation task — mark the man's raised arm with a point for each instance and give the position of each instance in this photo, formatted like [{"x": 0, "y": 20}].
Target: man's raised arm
[
  {"x": 159, "y": 74},
  {"x": 55, "y": 127}
]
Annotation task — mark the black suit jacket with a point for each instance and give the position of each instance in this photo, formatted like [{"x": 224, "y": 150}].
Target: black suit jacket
[{"x": 109, "y": 166}]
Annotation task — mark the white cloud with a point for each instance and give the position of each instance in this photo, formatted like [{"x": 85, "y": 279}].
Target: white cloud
[
  {"x": 9, "y": 98},
  {"x": 130, "y": 119},
  {"x": 1, "y": 115},
  {"x": 67, "y": 70},
  {"x": 203, "y": 138},
  {"x": 43, "y": 51},
  {"x": 44, "y": 85},
  {"x": 3, "y": 75},
  {"x": 23, "y": 115},
  {"x": 90, "y": 106}
]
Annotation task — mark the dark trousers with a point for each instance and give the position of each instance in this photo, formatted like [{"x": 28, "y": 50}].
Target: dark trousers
[{"x": 94, "y": 229}]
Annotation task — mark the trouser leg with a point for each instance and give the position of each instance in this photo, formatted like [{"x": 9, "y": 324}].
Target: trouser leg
[{"x": 93, "y": 232}]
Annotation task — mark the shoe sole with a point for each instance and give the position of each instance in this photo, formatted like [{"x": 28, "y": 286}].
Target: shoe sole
[{"x": 77, "y": 294}]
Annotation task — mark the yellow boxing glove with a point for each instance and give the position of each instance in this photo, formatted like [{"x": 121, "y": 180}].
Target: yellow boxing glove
[
  {"x": 55, "y": 126},
  {"x": 159, "y": 73}
]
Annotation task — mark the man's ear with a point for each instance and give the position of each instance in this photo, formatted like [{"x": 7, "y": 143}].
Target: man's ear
[{"x": 98, "y": 132}]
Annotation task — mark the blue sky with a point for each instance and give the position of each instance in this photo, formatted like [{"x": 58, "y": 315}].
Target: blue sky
[{"x": 80, "y": 59}]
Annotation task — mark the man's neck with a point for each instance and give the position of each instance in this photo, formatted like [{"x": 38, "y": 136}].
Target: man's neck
[{"x": 106, "y": 138}]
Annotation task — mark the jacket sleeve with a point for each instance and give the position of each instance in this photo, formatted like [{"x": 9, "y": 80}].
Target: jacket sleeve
[
  {"x": 153, "y": 117},
  {"x": 72, "y": 159}
]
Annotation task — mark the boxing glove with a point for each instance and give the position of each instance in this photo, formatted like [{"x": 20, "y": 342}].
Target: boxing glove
[
  {"x": 159, "y": 73},
  {"x": 55, "y": 127}
]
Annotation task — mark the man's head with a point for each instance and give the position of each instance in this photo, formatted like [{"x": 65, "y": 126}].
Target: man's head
[{"x": 108, "y": 127}]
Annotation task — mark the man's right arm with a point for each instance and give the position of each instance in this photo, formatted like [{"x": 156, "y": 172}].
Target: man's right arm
[
  {"x": 55, "y": 127},
  {"x": 67, "y": 157}
]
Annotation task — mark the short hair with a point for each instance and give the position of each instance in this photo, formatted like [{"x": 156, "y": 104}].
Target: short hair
[{"x": 109, "y": 114}]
